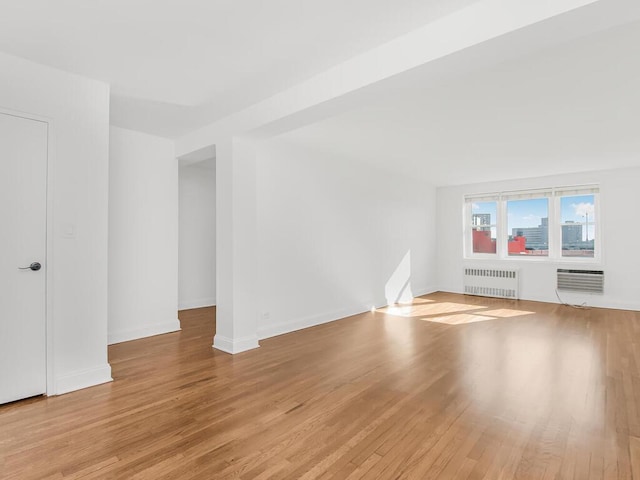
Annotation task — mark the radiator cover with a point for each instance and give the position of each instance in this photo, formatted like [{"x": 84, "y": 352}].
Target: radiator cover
[{"x": 491, "y": 282}]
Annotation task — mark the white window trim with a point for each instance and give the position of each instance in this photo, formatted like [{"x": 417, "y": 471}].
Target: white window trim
[
  {"x": 468, "y": 228},
  {"x": 553, "y": 195}
]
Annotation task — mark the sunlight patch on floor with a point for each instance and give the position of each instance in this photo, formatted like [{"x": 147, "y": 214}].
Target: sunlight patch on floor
[
  {"x": 420, "y": 310},
  {"x": 419, "y": 301},
  {"x": 506, "y": 313},
  {"x": 450, "y": 313},
  {"x": 458, "y": 319}
]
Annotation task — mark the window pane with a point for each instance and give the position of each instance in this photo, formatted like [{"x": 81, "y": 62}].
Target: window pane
[
  {"x": 483, "y": 221},
  {"x": 528, "y": 227},
  {"x": 578, "y": 225}
]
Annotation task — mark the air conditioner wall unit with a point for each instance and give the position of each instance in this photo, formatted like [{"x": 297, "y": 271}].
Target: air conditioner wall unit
[{"x": 586, "y": 281}]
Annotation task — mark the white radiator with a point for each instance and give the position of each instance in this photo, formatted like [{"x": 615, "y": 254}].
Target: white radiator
[
  {"x": 491, "y": 282},
  {"x": 589, "y": 281}
]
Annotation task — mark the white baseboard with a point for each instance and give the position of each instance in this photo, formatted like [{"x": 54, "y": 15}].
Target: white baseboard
[
  {"x": 237, "y": 345},
  {"x": 591, "y": 300},
  {"x": 424, "y": 291},
  {"x": 198, "y": 303},
  {"x": 310, "y": 321},
  {"x": 82, "y": 379},
  {"x": 319, "y": 319},
  {"x": 143, "y": 332}
]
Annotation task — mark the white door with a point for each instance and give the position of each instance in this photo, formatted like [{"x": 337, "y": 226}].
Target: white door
[{"x": 23, "y": 222}]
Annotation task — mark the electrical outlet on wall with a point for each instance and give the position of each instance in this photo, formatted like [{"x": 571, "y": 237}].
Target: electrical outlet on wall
[
  {"x": 68, "y": 230},
  {"x": 266, "y": 315}
]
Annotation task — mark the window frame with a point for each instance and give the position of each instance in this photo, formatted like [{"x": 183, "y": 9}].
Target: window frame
[
  {"x": 468, "y": 228},
  {"x": 522, "y": 196},
  {"x": 472, "y": 226},
  {"x": 554, "y": 196}
]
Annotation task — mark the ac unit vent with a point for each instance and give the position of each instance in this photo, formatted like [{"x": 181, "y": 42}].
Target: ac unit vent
[
  {"x": 588, "y": 281},
  {"x": 491, "y": 282}
]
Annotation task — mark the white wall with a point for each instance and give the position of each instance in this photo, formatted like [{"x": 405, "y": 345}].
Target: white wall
[
  {"x": 197, "y": 239},
  {"x": 336, "y": 237},
  {"x": 78, "y": 111},
  {"x": 620, "y": 234},
  {"x": 143, "y": 236}
]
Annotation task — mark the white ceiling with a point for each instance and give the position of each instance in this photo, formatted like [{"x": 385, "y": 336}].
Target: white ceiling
[
  {"x": 572, "y": 108},
  {"x": 175, "y": 65}
]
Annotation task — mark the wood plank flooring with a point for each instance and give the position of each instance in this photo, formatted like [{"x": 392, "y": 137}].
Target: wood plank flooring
[
  {"x": 634, "y": 449},
  {"x": 451, "y": 387}
]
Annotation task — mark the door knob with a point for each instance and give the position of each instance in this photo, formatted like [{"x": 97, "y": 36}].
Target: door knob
[{"x": 35, "y": 266}]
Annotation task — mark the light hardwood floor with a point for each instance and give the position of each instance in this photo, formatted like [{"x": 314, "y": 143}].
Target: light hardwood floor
[{"x": 452, "y": 387}]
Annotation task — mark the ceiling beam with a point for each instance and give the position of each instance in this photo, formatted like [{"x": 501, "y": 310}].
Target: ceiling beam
[{"x": 326, "y": 93}]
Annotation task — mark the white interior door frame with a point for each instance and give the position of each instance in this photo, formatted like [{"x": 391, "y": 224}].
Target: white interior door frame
[{"x": 49, "y": 323}]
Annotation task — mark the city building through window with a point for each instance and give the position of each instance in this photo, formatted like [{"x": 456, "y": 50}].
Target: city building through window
[
  {"x": 484, "y": 227},
  {"x": 558, "y": 223}
]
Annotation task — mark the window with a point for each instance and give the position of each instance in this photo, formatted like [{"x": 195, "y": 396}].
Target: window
[
  {"x": 578, "y": 222},
  {"x": 556, "y": 223},
  {"x": 528, "y": 227},
  {"x": 483, "y": 224}
]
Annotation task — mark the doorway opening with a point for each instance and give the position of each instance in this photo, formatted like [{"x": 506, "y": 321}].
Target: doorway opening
[{"x": 197, "y": 237}]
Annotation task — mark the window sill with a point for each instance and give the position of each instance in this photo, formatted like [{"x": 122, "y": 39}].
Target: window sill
[{"x": 533, "y": 259}]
